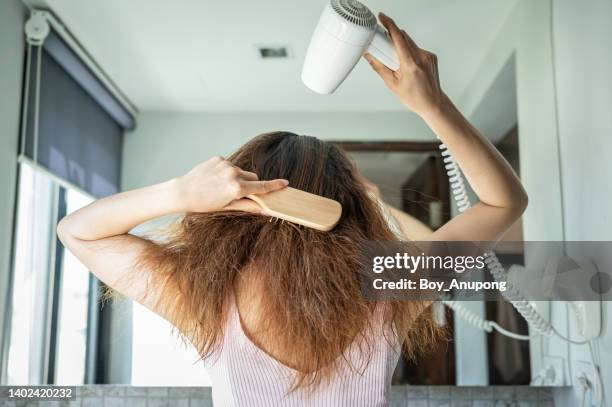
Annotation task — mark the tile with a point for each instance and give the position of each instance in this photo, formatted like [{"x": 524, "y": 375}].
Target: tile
[
  {"x": 482, "y": 393},
  {"x": 179, "y": 391},
  {"x": 114, "y": 391},
  {"x": 157, "y": 401},
  {"x": 200, "y": 392},
  {"x": 461, "y": 403},
  {"x": 49, "y": 403},
  {"x": 178, "y": 402},
  {"x": 527, "y": 403},
  {"x": 7, "y": 403},
  {"x": 417, "y": 403},
  {"x": 135, "y": 391},
  {"x": 92, "y": 402},
  {"x": 483, "y": 403},
  {"x": 92, "y": 391},
  {"x": 398, "y": 392},
  {"x": 417, "y": 392},
  {"x": 461, "y": 393},
  {"x": 503, "y": 392},
  {"x": 135, "y": 402},
  {"x": 526, "y": 393},
  {"x": 114, "y": 402},
  {"x": 157, "y": 392},
  {"x": 200, "y": 403},
  {"x": 439, "y": 403},
  {"x": 545, "y": 393},
  {"x": 397, "y": 403},
  {"x": 439, "y": 392},
  {"x": 546, "y": 403}
]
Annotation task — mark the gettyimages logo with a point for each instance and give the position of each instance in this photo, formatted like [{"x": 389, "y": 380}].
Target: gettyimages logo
[{"x": 533, "y": 271}]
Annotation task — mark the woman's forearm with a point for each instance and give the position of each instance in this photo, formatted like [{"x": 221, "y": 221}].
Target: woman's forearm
[
  {"x": 120, "y": 213},
  {"x": 417, "y": 85},
  {"x": 210, "y": 186},
  {"x": 488, "y": 173}
]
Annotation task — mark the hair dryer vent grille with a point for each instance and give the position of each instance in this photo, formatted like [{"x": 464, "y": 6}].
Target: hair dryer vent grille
[{"x": 355, "y": 12}]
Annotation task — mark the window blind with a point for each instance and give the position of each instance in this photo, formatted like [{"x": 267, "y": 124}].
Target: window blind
[{"x": 74, "y": 127}]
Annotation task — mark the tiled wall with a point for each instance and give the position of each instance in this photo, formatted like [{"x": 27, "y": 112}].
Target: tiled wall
[
  {"x": 404, "y": 396},
  {"x": 491, "y": 396}
]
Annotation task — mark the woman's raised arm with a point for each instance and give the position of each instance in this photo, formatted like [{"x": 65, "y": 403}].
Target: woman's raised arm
[
  {"x": 416, "y": 84},
  {"x": 98, "y": 233}
]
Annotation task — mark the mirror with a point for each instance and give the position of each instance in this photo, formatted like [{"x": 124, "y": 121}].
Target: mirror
[{"x": 411, "y": 176}]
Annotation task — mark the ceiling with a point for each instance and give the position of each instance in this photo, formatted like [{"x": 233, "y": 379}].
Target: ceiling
[{"x": 199, "y": 55}]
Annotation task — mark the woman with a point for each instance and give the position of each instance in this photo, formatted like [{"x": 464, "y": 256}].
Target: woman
[{"x": 275, "y": 309}]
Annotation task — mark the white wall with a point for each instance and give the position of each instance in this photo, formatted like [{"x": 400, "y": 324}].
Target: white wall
[
  {"x": 583, "y": 67},
  {"x": 525, "y": 36},
  {"x": 168, "y": 144},
  {"x": 12, "y": 16}
]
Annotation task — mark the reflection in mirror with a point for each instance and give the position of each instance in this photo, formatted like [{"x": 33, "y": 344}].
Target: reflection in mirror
[{"x": 411, "y": 177}]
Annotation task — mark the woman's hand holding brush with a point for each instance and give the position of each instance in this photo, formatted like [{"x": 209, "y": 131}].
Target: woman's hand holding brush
[{"x": 217, "y": 184}]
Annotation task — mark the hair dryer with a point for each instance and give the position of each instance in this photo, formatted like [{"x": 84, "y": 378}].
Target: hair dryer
[{"x": 345, "y": 31}]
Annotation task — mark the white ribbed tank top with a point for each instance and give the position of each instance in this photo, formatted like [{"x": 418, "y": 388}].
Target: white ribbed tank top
[{"x": 244, "y": 375}]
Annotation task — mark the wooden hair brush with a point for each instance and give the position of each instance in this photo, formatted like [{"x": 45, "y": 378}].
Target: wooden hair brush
[{"x": 300, "y": 207}]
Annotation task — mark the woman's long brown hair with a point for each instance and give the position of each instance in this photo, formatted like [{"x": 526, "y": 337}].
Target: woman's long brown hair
[{"x": 311, "y": 300}]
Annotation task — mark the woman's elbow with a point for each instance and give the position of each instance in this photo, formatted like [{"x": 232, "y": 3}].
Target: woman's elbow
[
  {"x": 63, "y": 230},
  {"x": 520, "y": 202}
]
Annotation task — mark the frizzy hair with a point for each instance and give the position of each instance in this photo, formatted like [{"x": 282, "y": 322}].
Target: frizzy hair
[{"x": 312, "y": 303}]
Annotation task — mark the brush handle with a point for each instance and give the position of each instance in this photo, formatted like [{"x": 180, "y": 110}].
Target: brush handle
[{"x": 300, "y": 207}]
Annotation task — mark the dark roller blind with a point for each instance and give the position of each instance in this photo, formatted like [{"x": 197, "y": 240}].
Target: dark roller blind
[{"x": 80, "y": 125}]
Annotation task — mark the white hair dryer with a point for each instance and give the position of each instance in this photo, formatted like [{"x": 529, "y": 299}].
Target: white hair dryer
[{"x": 345, "y": 31}]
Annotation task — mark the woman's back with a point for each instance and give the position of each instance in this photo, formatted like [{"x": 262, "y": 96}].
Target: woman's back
[{"x": 244, "y": 374}]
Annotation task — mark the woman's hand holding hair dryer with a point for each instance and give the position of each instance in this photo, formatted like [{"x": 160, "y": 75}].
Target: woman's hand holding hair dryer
[{"x": 417, "y": 85}]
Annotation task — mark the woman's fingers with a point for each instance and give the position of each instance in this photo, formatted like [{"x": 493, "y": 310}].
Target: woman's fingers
[
  {"x": 244, "y": 205},
  {"x": 414, "y": 48},
  {"x": 405, "y": 53},
  {"x": 262, "y": 187},
  {"x": 243, "y": 183},
  {"x": 248, "y": 175},
  {"x": 385, "y": 73}
]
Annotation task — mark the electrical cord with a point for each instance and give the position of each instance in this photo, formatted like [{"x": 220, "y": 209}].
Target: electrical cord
[
  {"x": 527, "y": 311},
  {"x": 512, "y": 294}
]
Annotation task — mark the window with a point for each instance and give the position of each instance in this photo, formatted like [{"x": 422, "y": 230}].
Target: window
[
  {"x": 33, "y": 250},
  {"x": 51, "y": 293},
  {"x": 75, "y": 288},
  {"x": 71, "y": 141},
  {"x": 55, "y": 305}
]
